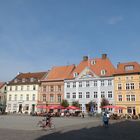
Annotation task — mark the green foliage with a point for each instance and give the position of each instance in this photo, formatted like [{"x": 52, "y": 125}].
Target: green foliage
[
  {"x": 104, "y": 102},
  {"x": 65, "y": 103},
  {"x": 75, "y": 103}
]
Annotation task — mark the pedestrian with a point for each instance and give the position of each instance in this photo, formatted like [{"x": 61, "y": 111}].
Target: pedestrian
[
  {"x": 83, "y": 114},
  {"x": 105, "y": 120}
]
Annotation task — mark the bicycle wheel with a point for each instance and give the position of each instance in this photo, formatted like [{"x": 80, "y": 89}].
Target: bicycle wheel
[{"x": 52, "y": 126}]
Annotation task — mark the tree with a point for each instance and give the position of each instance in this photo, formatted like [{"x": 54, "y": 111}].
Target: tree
[
  {"x": 65, "y": 103},
  {"x": 104, "y": 102},
  {"x": 75, "y": 103}
]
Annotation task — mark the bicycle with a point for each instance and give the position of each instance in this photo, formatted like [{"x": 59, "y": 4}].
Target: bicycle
[{"x": 50, "y": 125}]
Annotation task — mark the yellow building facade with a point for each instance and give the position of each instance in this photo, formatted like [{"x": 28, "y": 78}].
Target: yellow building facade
[{"x": 127, "y": 88}]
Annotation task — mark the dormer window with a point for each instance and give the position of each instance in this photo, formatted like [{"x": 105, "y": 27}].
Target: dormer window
[
  {"x": 16, "y": 80},
  {"x": 103, "y": 72},
  {"x": 93, "y": 62},
  {"x": 23, "y": 80},
  {"x": 127, "y": 68},
  {"x": 75, "y": 74}
]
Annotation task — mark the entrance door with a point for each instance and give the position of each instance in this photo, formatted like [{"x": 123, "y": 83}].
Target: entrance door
[
  {"x": 20, "y": 108},
  {"x": 134, "y": 111},
  {"x": 33, "y": 108}
]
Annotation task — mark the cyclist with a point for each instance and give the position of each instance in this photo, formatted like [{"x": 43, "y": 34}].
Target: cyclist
[{"x": 48, "y": 118}]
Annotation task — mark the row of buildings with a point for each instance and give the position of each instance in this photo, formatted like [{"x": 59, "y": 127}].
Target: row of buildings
[{"x": 90, "y": 80}]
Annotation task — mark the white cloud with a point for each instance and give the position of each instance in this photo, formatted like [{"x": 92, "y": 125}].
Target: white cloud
[{"x": 115, "y": 19}]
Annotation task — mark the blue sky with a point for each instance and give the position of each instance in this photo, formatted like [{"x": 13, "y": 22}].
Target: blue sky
[{"x": 36, "y": 35}]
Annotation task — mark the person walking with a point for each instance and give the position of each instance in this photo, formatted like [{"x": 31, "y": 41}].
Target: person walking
[{"x": 105, "y": 120}]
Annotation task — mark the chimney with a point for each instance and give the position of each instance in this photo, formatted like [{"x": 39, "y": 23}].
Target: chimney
[
  {"x": 118, "y": 64},
  {"x": 104, "y": 56},
  {"x": 85, "y": 58}
]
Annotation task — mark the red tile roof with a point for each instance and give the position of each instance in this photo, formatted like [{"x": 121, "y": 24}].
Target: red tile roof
[
  {"x": 121, "y": 69},
  {"x": 100, "y": 64},
  {"x": 60, "y": 73}
]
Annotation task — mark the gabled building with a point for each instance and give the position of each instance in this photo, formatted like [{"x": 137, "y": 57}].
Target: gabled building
[
  {"x": 3, "y": 90},
  {"x": 52, "y": 87},
  {"x": 127, "y": 87},
  {"x": 22, "y": 93},
  {"x": 92, "y": 81}
]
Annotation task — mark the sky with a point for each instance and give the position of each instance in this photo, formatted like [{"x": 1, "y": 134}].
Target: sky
[{"x": 36, "y": 35}]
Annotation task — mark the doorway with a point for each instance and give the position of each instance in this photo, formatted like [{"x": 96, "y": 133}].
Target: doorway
[{"x": 20, "y": 108}]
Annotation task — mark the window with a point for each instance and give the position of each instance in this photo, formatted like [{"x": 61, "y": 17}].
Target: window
[
  {"x": 51, "y": 98},
  {"x": 103, "y": 72},
  {"x": 10, "y": 97},
  {"x": 74, "y": 84},
  {"x": 59, "y": 98},
  {"x": 14, "y": 107},
  {"x": 87, "y": 95},
  {"x": 44, "y": 88},
  {"x": 132, "y": 85},
  {"x": 34, "y": 87},
  {"x": 127, "y": 68},
  {"x": 44, "y": 97},
  {"x": 80, "y": 95},
  {"x": 119, "y": 97},
  {"x": 119, "y": 86},
  {"x": 109, "y": 82},
  {"x": 127, "y": 97},
  {"x": 10, "y": 88},
  {"x": 87, "y": 83},
  {"x": 9, "y": 106},
  {"x": 23, "y": 80},
  {"x": 15, "y": 97},
  {"x": 28, "y": 88},
  {"x": 109, "y": 94},
  {"x": 16, "y": 88},
  {"x": 21, "y": 97},
  {"x": 68, "y": 85},
  {"x": 74, "y": 95},
  {"x": 21, "y": 87},
  {"x": 75, "y": 74},
  {"x": 93, "y": 62},
  {"x": 127, "y": 86},
  {"x": 95, "y": 83},
  {"x": 52, "y": 88},
  {"x": 59, "y": 88},
  {"x": 102, "y": 94},
  {"x": 80, "y": 84},
  {"x": 132, "y": 97},
  {"x": 68, "y": 95},
  {"x": 27, "y": 97},
  {"x": 102, "y": 83},
  {"x": 95, "y": 95},
  {"x": 33, "y": 98}
]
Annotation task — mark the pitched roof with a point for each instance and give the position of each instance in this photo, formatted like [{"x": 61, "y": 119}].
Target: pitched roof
[
  {"x": 60, "y": 73},
  {"x": 27, "y": 76},
  {"x": 127, "y": 68},
  {"x": 97, "y": 65}
]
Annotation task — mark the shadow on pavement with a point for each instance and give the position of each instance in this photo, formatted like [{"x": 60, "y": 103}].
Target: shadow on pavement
[{"x": 127, "y": 130}]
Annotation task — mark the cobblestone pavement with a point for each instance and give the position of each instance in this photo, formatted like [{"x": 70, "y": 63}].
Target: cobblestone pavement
[{"x": 24, "y": 128}]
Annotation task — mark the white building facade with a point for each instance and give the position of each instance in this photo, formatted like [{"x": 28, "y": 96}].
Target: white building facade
[
  {"x": 22, "y": 93},
  {"x": 88, "y": 90},
  {"x": 92, "y": 81}
]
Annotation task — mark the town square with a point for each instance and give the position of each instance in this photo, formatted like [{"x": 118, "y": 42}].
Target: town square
[
  {"x": 24, "y": 127},
  {"x": 69, "y": 69}
]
